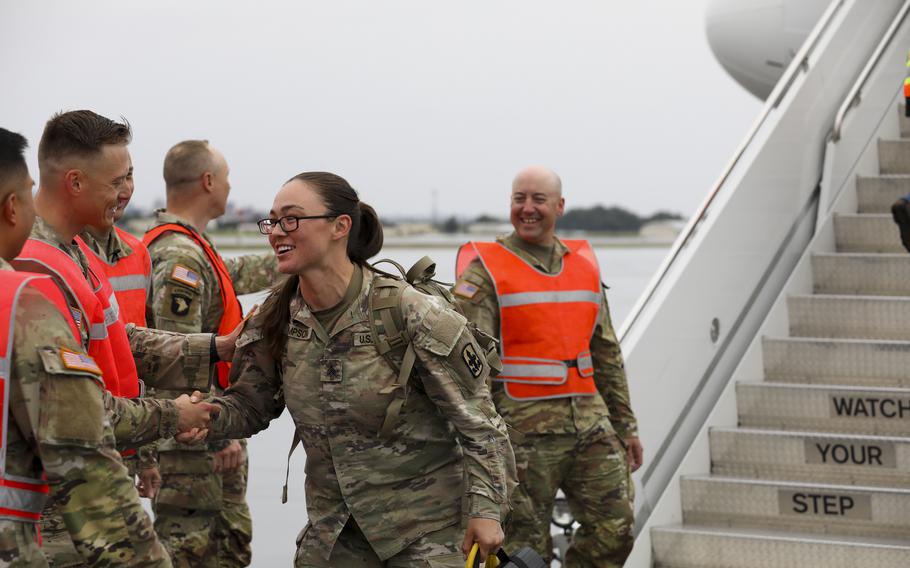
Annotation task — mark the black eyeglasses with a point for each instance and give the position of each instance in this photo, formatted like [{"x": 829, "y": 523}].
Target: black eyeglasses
[{"x": 287, "y": 223}]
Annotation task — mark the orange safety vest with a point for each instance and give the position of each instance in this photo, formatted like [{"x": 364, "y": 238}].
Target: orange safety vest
[
  {"x": 129, "y": 277},
  {"x": 97, "y": 312},
  {"x": 21, "y": 498},
  {"x": 233, "y": 313},
  {"x": 546, "y": 321}
]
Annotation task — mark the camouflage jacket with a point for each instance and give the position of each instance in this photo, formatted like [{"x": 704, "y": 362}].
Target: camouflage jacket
[
  {"x": 176, "y": 305},
  {"x": 164, "y": 360},
  {"x": 112, "y": 248},
  {"x": 64, "y": 423},
  {"x": 562, "y": 415},
  {"x": 448, "y": 441}
]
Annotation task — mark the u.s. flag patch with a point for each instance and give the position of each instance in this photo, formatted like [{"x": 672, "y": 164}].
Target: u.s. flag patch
[
  {"x": 79, "y": 362},
  {"x": 184, "y": 275},
  {"x": 466, "y": 289}
]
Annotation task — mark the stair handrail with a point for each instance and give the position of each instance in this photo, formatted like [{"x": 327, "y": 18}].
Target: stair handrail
[
  {"x": 856, "y": 92},
  {"x": 799, "y": 65}
]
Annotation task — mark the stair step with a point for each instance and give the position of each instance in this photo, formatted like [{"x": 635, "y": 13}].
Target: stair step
[
  {"x": 877, "y": 194},
  {"x": 824, "y": 408},
  {"x": 894, "y": 156},
  {"x": 872, "y": 363},
  {"x": 810, "y": 457},
  {"x": 842, "y": 316},
  {"x": 867, "y": 233},
  {"x": 877, "y": 512},
  {"x": 861, "y": 273},
  {"x": 707, "y": 547}
]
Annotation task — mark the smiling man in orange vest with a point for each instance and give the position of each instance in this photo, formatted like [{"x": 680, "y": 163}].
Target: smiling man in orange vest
[
  {"x": 563, "y": 384},
  {"x": 201, "y": 510}
]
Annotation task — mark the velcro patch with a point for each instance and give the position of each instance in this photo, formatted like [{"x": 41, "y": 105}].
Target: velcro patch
[
  {"x": 472, "y": 360},
  {"x": 184, "y": 275},
  {"x": 180, "y": 304},
  {"x": 300, "y": 332},
  {"x": 364, "y": 338},
  {"x": 465, "y": 289},
  {"x": 78, "y": 362}
]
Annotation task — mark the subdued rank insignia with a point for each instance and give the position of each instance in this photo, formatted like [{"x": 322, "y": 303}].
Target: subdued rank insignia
[
  {"x": 184, "y": 275},
  {"x": 465, "y": 289},
  {"x": 364, "y": 338},
  {"x": 472, "y": 360},
  {"x": 78, "y": 361},
  {"x": 180, "y": 304}
]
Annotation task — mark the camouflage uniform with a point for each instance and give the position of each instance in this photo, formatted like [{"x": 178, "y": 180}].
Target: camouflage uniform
[
  {"x": 62, "y": 422},
  {"x": 400, "y": 493},
  {"x": 112, "y": 249},
  {"x": 163, "y": 360},
  {"x": 202, "y": 515},
  {"x": 573, "y": 443}
]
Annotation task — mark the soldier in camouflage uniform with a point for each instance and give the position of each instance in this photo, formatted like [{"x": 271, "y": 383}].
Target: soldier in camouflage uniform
[
  {"x": 201, "y": 510},
  {"x": 84, "y": 162},
  {"x": 105, "y": 242},
  {"x": 62, "y": 422},
  {"x": 437, "y": 484},
  {"x": 582, "y": 444}
]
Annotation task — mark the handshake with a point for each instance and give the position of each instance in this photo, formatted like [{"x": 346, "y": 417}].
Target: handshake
[{"x": 195, "y": 417}]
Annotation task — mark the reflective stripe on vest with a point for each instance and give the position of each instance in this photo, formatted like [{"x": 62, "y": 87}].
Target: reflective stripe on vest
[
  {"x": 546, "y": 320},
  {"x": 233, "y": 313},
  {"x": 108, "y": 343},
  {"x": 129, "y": 277},
  {"x": 21, "y": 498}
]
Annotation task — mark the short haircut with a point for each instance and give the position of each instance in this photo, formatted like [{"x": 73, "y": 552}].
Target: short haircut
[
  {"x": 12, "y": 158},
  {"x": 79, "y": 133},
  {"x": 186, "y": 162}
]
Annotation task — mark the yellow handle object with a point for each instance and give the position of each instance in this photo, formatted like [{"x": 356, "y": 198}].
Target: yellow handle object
[{"x": 492, "y": 560}]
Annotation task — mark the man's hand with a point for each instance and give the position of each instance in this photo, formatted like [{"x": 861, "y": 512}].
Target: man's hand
[
  {"x": 224, "y": 344},
  {"x": 230, "y": 458},
  {"x": 634, "y": 452},
  {"x": 488, "y": 535},
  {"x": 194, "y": 415},
  {"x": 192, "y": 436},
  {"x": 149, "y": 482}
]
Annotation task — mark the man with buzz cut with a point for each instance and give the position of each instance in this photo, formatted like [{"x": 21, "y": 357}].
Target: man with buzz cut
[
  {"x": 83, "y": 163},
  {"x": 563, "y": 384},
  {"x": 201, "y": 510},
  {"x": 60, "y": 423}
]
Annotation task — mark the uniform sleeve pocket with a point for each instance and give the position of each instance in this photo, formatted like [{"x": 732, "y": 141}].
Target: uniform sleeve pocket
[
  {"x": 72, "y": 410},
  {"x": 440, "y": 330}
]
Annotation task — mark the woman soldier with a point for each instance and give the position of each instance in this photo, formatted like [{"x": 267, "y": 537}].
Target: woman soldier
[{"x": 396, "y": 500}]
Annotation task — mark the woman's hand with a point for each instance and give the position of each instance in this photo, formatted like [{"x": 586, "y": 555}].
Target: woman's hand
[{"x": 488, "y": 535}]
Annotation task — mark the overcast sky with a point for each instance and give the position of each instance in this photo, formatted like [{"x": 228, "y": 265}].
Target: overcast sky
[{"x": 623, "y": 99}]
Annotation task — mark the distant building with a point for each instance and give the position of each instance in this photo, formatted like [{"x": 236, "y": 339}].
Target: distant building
[{"x": 662, "y": 230}]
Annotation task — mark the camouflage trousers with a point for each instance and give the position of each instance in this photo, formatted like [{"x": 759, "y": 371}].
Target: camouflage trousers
[
  {"x": 438, "y": 549},
  {"x": 592, "y": 471},
  {"x": 201, "y": 516},
  {"x": 19, "y": 545}
]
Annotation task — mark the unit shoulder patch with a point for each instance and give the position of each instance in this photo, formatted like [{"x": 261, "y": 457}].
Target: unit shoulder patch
[
  {"x": 180, "y": 304},
  {"x": 185, "y": 276},
  {"x": 472, "y": 360}
]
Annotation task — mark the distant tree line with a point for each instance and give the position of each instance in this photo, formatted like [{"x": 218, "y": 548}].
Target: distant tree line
[{"x": 596, "y": 219}]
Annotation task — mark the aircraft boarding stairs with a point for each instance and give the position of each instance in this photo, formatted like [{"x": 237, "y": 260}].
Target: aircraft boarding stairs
[{"x": 818, "y": 471}]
